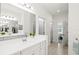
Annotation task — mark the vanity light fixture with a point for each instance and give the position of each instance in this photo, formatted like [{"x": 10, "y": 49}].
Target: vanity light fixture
[
  {"x": 3, "y": 17},
  {"x": 27, "y": 5},
  {"x": 8, "y": 17}
]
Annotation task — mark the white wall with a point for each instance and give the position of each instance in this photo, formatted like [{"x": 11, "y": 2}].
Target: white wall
[
  {"x": 58, "y": 19},
  {"x": 73, "y": 24}
]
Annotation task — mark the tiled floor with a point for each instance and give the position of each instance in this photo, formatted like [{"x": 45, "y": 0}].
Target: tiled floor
[{"x": 57, "y": 49}]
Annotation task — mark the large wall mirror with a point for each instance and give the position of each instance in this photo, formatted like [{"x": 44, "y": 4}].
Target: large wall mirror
[
  {"x": 41, "y": 22},
  {"x": 32, "y": 23},
  {"x": 25, "y": 21}
]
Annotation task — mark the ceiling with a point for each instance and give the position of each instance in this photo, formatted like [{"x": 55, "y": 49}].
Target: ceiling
[{"x": 54, "y": 8}]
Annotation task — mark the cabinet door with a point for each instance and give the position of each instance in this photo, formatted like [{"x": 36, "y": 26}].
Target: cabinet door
[
  {"x": 43, "y": 48},
  {"x": 46, "y": 47},
  {"x": 27, "y": 51},
  {"x": 33, "y": 50},
  {"x": 36, "y": 49}
]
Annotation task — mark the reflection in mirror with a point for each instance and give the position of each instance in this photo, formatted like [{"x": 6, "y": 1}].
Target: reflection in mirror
[
  {"x": 17, "y": 20},
  {"x": 41, "y": 22},
  {"x": 8, "y": 26},
  {"x": 32, "y": 23},
  {"x": 20, "y": 27}
]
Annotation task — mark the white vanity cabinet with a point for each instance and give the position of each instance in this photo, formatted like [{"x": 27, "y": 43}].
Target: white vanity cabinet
[
  {"x": 27, "y": 51},
  {"x": 43, "y": 48},
  {"x": 38, "y": 49},
  {"x": 32, "y": 46},
  {"x": 33, "y": 50}
]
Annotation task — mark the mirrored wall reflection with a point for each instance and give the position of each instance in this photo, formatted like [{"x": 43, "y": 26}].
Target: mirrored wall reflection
[
  {"x": 17, "y": 20},
  {"x": 33, "y": 23},
  {"x": 8, "y": 26},
  {"x": 41, "y": 22},
  {"x": 29, "y": 23}
]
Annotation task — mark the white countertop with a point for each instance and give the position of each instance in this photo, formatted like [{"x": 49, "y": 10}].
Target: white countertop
[
  {"x": 12, "y": 46},
  {"x": 12, "y": 34}
]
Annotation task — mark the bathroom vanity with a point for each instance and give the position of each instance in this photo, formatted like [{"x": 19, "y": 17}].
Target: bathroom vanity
[{"x": 37, "y": 45}]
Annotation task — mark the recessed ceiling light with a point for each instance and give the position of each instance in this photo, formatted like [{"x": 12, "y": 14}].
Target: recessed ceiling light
[{"x": 58, "y": 11}]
